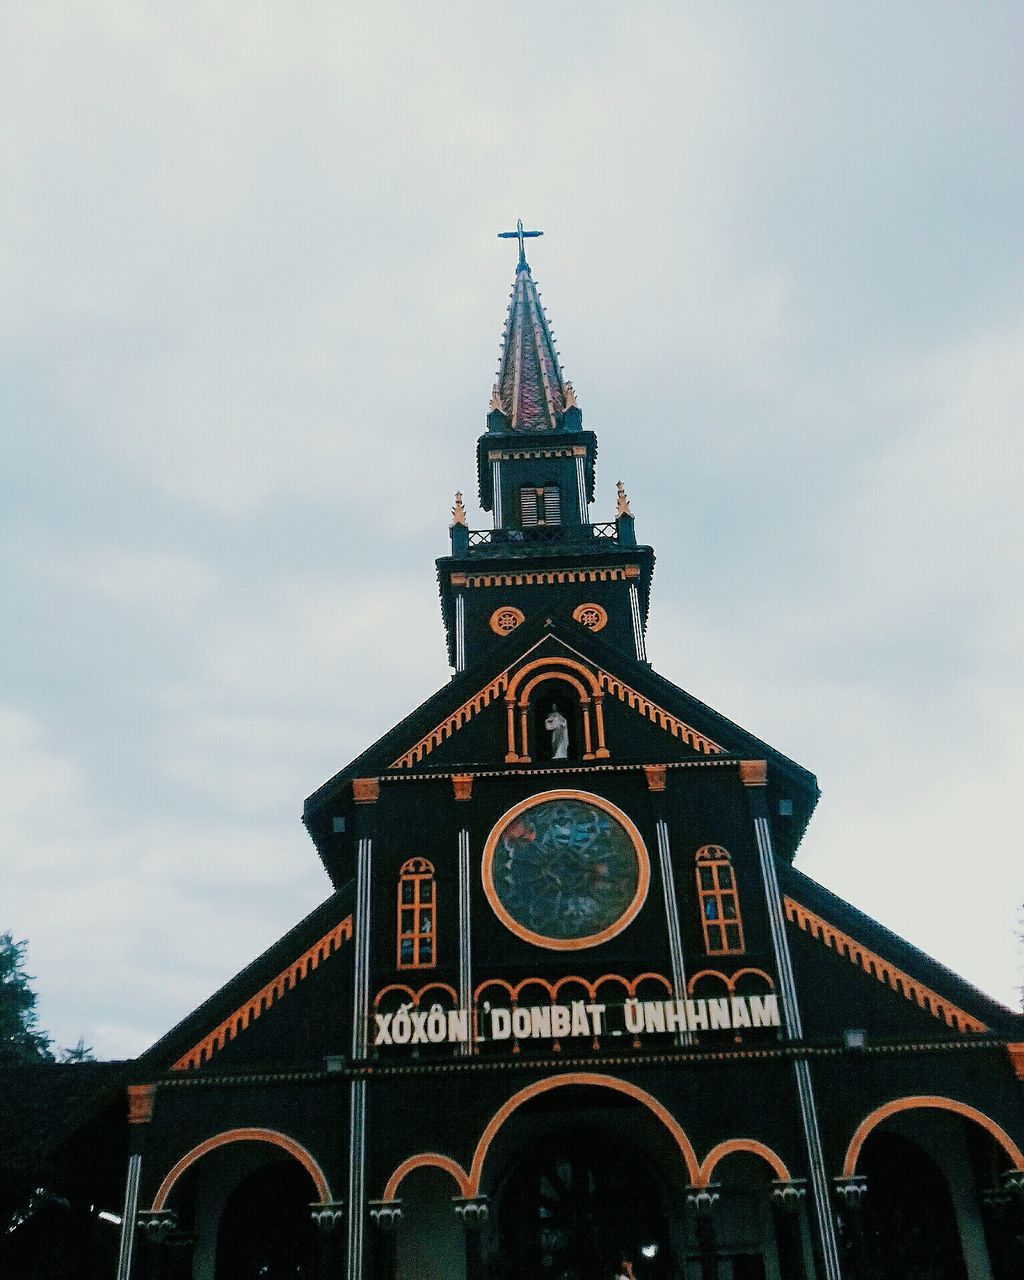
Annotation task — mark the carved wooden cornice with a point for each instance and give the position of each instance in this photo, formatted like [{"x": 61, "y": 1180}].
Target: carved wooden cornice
[
  {"x": 880, "y": 968},
  {"x": 268, "y": 995}
]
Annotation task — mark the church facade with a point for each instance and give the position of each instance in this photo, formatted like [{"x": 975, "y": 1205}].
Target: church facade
[{"x": 571, "y": 1012}]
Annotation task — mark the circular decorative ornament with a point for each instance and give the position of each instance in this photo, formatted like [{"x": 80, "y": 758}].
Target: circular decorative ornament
[
  {"x": 591, "y": 616},
  {"x": 506, "y": 619},
  {"x": 565, "y": 870}
]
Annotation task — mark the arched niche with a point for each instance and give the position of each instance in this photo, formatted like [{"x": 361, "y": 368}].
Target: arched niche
[
  {"x": 574, "y": 691},
  {"x": 429, "y": 1242}
]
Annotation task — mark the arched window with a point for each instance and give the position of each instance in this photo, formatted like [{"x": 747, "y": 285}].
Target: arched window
[
  {"x": 417, "y": 915},
  {"x": 719, "y": 901},
  {"x": 540, "y": 505}
]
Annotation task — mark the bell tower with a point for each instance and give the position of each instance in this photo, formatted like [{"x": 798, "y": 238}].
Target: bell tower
[{"x": 544, "y": 555}]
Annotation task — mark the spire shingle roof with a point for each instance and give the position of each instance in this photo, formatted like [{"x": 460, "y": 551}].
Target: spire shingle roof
[{"x": 531, "y": 390}]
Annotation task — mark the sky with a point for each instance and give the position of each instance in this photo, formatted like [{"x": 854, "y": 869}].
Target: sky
[{"x": 250, "y": 303}]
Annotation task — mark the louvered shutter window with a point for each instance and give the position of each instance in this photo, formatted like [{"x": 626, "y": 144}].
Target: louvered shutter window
[
  {"x": 552, "y": 505},
  {"x": 528, "y": 506}
]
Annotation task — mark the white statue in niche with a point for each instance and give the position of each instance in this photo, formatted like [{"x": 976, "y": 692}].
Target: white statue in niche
[{"x": 557, "y": 725}]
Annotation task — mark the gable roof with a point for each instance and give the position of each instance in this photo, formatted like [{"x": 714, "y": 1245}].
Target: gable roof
[
  {"x": 253, "y": 990},
  {"x": 686, "y": 721},
  {"x": 43, "y": 1104},
  {"x": 891, "y": 960}
]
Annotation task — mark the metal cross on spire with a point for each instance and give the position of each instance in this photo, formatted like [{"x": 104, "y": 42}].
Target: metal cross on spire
[{"x": 520, "y": 235}]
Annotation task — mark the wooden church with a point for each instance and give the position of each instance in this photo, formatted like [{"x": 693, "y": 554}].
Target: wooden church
[{"x": 570, "y": 1012}]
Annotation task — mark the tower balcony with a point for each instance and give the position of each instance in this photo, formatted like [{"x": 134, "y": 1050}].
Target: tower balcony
[{"x": 537, "y": 538}]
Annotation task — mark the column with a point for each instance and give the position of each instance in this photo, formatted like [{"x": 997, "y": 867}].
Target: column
[
  {"x": 754, "y": 775},
  {"x": 141, "y": 1098},
  {"x": 638, "y": 626},
  {"x": 668, "y": 884},
  {"x": 128, "y": 1214},
  {"x": 465, "y": 940},
  {"x": 460, "y": 632},
  {"x": 850, "y": 1193},
  {"x": 496, "y": 484},
  {"x": 702, "y": 1203},
  {"x": 581, "y": 485},
  {"x": 360, "y": 1028},
  {"x": 386, "y": 1216},
  {"x": 329, "y": 1220},
  {"x": 788, "y": 1200},
  {"x": 472, "y": 1212}
]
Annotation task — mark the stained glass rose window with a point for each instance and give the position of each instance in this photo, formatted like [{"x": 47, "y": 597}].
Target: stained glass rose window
[{"x": 565, "y": 870}]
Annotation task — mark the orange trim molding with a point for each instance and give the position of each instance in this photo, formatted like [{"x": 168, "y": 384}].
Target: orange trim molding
[
  {"x": 271, "y": 1136},
  {"x": 629, "y": 985},
  {"x": 935, "y": 1103},
  {"x": 729, "y": 980},
  {"x": 1016, "y": 1052},
  {"x": 507, "y": 685},
  {"x": 140, "y": 1103},
  {"x": 546, "y": 577},
  {"x": 265, "y": 997},
  {"x": 659, "y": 716},
  {"x": 544, "y": 664},
  {"x": 365, "y": 790},
  {"x": 655, "y": 774},
  {"x": 416, "y": 996},
  {"x": 462, "y": 786},
  {"x": 754, "y": 773},
  {"x": 717, "y": 1154},
  {"x": 591, "y": 616},
  {"x": 566, "y": 944},
  {"x": 878, "y": 967},
  {"x": 433, "y": 1160},
  {"x": 440, "y": 733},
  {"x": 579, "y": 1078}
]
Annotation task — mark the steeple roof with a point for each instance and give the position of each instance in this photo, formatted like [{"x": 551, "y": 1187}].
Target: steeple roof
[{"x": 531, "y": 390}]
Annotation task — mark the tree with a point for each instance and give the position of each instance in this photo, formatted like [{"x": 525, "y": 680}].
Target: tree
[
  {"x": 20, "y": 1037},
  {"x": 82, "y": 1052}
]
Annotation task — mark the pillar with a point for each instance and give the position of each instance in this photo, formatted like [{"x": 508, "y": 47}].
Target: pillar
[
  {"x": 386, "y": 1216},
  {"x": 850, "y": 1193},
  {"x": 702, "y": 1203},
  {"x": 788, "y": 1200},
  {"x": 472, "y": 1213}
]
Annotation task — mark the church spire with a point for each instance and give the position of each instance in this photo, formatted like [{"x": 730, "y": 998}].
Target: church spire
[{"x": 531, "y": 392}]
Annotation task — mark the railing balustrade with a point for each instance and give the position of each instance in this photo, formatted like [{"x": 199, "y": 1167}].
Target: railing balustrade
[{"x": 543, "y": 534}]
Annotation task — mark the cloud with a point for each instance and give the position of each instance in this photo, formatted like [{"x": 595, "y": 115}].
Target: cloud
[{"x": 252, "y": 300}]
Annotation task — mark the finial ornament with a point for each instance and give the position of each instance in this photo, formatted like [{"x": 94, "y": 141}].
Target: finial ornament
[
  {"x": 622, "y": 504},
  {"x": 520, "y": 235},
  {"x": 570, "y": 397},
  {"x": 496, "y": 405},
  {"x": 458, "y": 510}
]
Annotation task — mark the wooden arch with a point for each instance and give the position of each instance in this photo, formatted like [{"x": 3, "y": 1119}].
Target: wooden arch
[
  {"x": 429, "y": 1159},
  {"x": 517, "y": 699},
  {"x": 270, "y": 1136},
  {"x": 882, "y": 1113},
  {"x": 717, "y": 1154},
  {"x": 580, "y": 1078}
]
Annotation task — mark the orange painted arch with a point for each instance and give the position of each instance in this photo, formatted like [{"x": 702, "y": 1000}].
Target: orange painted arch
[
  {"x": 935, "y": 1103},
  {"x": 270, "y": 1136},
  {"x": 552, "y": 664},
  {"x": 415, "y": 996},
  {"x": 429, "y": 1159},
  {"x": 566, "y": 944},
  {"x": 717, "y": 1154},
  {"x": 729, "y": 980},
  {"x": 579, "y": 1078},
  {"x": 524, "y": 697}
]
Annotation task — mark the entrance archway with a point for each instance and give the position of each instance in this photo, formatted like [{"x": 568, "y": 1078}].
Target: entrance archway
[
  {"x": 910, "y": 1224},
  {"x": 578, "y": 1208},
  {"x": 265, "y": 1230}
]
